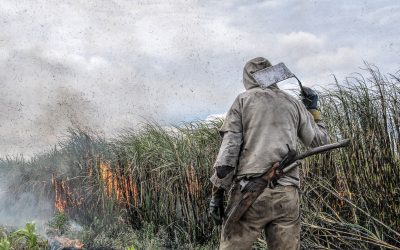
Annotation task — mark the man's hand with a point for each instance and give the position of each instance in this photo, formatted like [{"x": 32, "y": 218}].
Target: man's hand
[
  {"x": 310, "y": 98},
  {"x": 216, "y": 209}
]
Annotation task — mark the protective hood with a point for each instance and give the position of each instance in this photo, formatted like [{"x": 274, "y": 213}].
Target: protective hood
[{"x": 252, "y": 66}]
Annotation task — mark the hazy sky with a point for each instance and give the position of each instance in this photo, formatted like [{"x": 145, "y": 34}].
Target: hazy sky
[{"x": 111, "y": 64}]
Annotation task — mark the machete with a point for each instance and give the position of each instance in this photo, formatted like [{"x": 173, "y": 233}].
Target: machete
[{"x": 274, "y": 74}]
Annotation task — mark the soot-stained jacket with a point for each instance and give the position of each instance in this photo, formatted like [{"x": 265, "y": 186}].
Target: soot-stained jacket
[{"x": 258, "y": 126}]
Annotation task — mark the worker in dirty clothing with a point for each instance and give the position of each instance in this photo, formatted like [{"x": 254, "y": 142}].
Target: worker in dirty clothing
[{"x": 256, "y": 131}]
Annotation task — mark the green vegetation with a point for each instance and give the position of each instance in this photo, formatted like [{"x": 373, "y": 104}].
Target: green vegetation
[
  {"x": 149, "y": 188},
  {"x": 5, "y": 244},
  {"x": 59, "y": 224},
  {"x": 22, "y": 239}
]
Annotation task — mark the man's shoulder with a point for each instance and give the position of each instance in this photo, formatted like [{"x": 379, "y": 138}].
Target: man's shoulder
[
  {"x": 250, "y": 92},
  {"x": 247, "y": 93},
  {"x": 273, "y": 93},
  {"x": 277, "y": 92},
  {"x": 288, "y": 96}
]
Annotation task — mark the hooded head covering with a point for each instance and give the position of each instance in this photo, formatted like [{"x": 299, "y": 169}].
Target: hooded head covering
[{"x": 252, "y": 66}]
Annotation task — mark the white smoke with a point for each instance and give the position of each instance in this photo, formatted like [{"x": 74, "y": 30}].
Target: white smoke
[{"x": 15, "y": 212}]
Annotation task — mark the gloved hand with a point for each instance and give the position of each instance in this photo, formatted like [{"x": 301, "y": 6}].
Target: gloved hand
[
  {"x": 216, "y": 208},
  {"x": 309, "y": 98}
]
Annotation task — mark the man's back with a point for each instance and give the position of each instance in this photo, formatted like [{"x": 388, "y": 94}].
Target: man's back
[{"x": 270, "y": 120}]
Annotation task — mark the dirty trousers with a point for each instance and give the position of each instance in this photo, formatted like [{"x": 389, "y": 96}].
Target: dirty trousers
[{"x": 277, "y": 211}]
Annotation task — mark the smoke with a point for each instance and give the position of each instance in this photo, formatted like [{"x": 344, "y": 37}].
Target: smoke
[
  {"x": 41, "y": 103},
  {"x": 16, "y": 211},
  {"x": 68, "y": 108},
  {"x": 171, "y": 61}
]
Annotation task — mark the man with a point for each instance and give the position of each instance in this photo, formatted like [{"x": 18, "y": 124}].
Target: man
[{"x": 258, "y": 130}]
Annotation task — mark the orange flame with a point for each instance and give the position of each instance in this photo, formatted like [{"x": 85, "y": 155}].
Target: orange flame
[
  {"x": 118, "y": 186},
  {"x": 60, "y": 197},
  {"x": 64, "y": 197},
  {"x": 68, "y": 243},
  {"x": 106, "y": 176},
  {"x": 115, "y": 185}
]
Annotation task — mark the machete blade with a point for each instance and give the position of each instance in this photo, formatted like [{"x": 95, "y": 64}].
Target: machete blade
[{"x": 272, "y": 74}]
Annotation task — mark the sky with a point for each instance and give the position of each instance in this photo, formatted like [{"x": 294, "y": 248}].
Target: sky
[{"x": 110, "y": 65}]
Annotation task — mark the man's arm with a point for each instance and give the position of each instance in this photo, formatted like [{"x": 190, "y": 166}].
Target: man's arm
[
  {"x": 224, "y": 171},
  {"x": 227, "y": 159},
  {"x": 228, "y": 154}
]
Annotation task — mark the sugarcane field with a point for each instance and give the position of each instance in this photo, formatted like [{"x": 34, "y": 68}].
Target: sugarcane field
[{"x": 130, "y": 125}]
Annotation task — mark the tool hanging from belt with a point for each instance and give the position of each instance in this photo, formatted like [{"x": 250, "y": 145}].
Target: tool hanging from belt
[{"x": 254, "y": 188}]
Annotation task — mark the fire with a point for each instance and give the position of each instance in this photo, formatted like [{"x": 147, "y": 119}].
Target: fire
[
  {"x": 64, "y": 197},
  {"x": 118, "y": 186},
  {"x": 114, "y": 184},
  {"x": 60, "y": 199},
  {"x": 68, "y": 243},
  {"x": 106, "y": 176}
]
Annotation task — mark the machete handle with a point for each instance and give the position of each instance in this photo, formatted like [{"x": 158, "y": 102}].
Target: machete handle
[
  {"x": 324, "y": 148},
  {"x": 301, "y": 86}
]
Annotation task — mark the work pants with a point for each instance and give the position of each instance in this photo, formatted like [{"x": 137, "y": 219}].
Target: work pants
[{"x": 277, "y": 211}]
